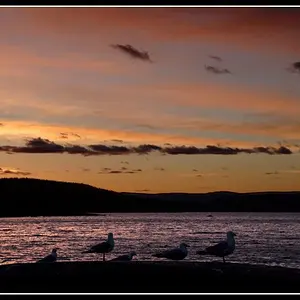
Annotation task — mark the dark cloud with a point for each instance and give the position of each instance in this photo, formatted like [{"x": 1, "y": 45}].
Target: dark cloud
[
  {"x": 214, "y": 57},
  {"x": 7, "y": 171},
  {"x": 195, "y": 170},
  {"x": 295, "y": 67},
  {"x": 1, "y": 124},
  {"x": 137, "y": 170},
  {"x": 76, "y": 149},
  {"x": 124, "y": 162},
  {"x": 224, "y": 168},
  {"x": 272, "y": 173},
  {"x": 124, "y": 168},
  {"x": 141, "y": 191},
  {"x": 216, "y": 70},
  {"x": 133, "y": 52},
  {"x": 198, "y": 175},
  {"x": 40, "y": 145},
  {"x": 217, "y": 150},
  {"x": 112, "y": 150},
  {"x": 86, "y": 170},
  {"x": 146, "y": 148}
]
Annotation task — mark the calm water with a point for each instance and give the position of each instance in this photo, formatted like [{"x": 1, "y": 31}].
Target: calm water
[{"x": 272, "y": 238}]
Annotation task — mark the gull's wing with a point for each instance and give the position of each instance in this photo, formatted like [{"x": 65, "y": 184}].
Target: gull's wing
[
  {"x": 219, "y": 249},
  {"x": 102, "y": 247},
  {"x": 124, "y": 257},
  {"x": 48, "y": 258}
]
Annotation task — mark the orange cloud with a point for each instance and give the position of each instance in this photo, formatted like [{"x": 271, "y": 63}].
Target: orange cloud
[{"x": 16, "y": 131}]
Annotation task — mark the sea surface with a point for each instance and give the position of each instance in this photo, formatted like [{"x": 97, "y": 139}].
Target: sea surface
[{"x": 262, "y": 238}]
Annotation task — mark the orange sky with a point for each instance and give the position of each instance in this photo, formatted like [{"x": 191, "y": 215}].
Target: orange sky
[{"x": 75, "y": 108}]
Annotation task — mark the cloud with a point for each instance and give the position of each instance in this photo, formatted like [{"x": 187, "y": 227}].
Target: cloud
[
  {"x": 86, "y": 170},
  {"x": 1, "y": 124},
  {"x": 12, "y": 171},
  {"x": 40, "y": 145},
  {"x": 133, "y": 52},
  {"x": 125, "y": 162},
  {"x": 195, "y": 170},
  {"x": 120, "y": 171},
  {"x": 117, "y": 141},
  {"x": 217, "y": 58},
  {"x": 159, "y": 169},
  {"x": 272, "y": 173},
  {"x": 146, "y": 148},
  {"x": 112, "y": 150},
  {"x": 65, "y": 135},
  {"x": 144, "y": 190},
  {"x": 216, "y": 150},
  {"x": 216, "y": 70},
  {"x": 295, "y": 67},
  {"x": 76, "y": 149}
]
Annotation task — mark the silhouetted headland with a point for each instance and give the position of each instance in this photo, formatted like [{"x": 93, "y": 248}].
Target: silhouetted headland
[
  {"x": 147, "y": 277},
  {"x": 34, "y": 197}
]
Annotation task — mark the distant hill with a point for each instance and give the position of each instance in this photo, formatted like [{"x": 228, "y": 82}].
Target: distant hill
[{"x": 35, "y": 197}]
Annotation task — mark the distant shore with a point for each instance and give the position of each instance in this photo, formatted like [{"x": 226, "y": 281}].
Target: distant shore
[{"x": 146, "y": 277}]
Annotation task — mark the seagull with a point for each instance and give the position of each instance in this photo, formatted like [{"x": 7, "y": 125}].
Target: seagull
[
  {"x": 174, "y": 254},
  {"x": 103, "y": 247},
  {"x": 125, "y": 257},
  {"x": 221, "y": 249},
  {"x": 49, "y": 258}
]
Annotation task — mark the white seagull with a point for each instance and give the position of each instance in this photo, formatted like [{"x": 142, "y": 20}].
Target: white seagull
[
  {"x": 221, "y": 249},
  {"x": 104, "y": 247},
  {"x": 125, "y": 257},
  {"x": 49, "y": 258},
  {"x": 174, "y": 254}
]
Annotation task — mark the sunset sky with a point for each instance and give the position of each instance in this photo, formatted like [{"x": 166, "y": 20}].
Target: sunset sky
[{"x": 152, "y": 99}]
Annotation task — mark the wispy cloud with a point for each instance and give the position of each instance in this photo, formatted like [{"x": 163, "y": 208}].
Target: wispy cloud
[
  {"x": 133, "y": 52},
  {"x": 216, "y": 70},
  {"x": 123, "y": 170},
  {"x": 12, "y": 171},
  {"x": 66, "y": 135},
  {"x": 159, "y": 169},
  {"x": 214, "y": 57}
]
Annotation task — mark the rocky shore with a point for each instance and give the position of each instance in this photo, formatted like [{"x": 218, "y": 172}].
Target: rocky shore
[{"x": 146, "y": 277}]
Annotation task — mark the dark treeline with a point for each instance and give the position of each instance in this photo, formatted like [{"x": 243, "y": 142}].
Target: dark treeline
[{"x": 34, "y": 197}]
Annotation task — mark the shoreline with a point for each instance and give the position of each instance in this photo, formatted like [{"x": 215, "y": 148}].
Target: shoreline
[{"x": 147, "y": 277}]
